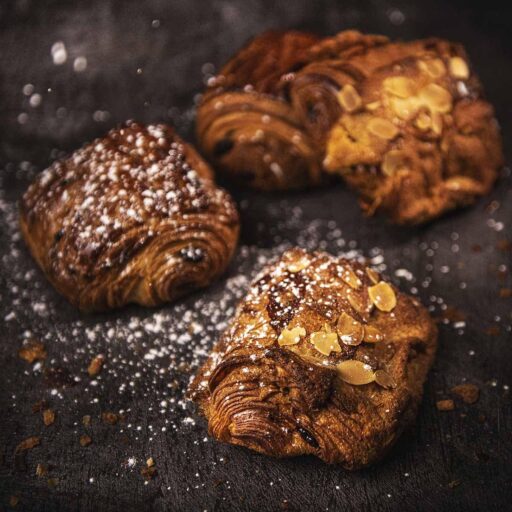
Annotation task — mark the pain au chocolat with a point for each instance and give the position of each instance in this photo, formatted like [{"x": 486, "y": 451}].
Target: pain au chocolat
[
  {"x": 404, "y": 123},
  {"x": 132, "y": 217},
  {"x": 323, "y": 357}
]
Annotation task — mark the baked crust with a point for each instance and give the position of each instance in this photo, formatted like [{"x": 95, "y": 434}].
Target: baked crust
[
  {"x": 405, "y": 124},
  {"x": 284, "y": 399},
  {"x": 132, "y": 217}
]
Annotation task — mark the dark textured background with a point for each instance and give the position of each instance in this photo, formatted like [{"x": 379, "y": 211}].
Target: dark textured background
[{"x": 459, "y": 460}]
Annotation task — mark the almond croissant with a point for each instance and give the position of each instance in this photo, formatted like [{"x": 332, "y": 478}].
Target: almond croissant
[
  {"x": 133, "y": 217},
  {"x": 405, "y": 124},
  {"x": 322, "y": 357}
]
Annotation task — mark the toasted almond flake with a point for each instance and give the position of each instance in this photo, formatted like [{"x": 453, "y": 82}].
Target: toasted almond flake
[
  {"x": 437, "y": 123},
  {"x": 48, "y": 417},
  {"x": 445, "y": 405},
  {"x": 423, "y": 121},
  {"x": 400, "y": 86},
  {"x": 382, "y": 128},
  {"x": 95, "y": 365},
  {"x": 349, "y": 276},
  {"x": 349, "y": 330},
  {"x": 325, "y": 342},
  {"x": 384, "y": 379},
  {"x": 434, "y": 67},
  {"x": 374, "y": 105},
  {"x": 41, "y": 470},
  {"x": 32, "y": 351},
  {"x": 28, "y": 444},
  {"x": 297, "y": 266},
  {"x": 372, "y": 334},
  {"x": 436, "y": 98},
  {"x": 383, "y": 296},
  {"x": 150, "y": 462},
  {"x": 358, "y": 303},
  {"x": 459, "y": 68},
  {"x": 468, "y": 392},
  {"x": 393, "y": 161},
  {"x": 349, "y": 98},
  {"x": 374, "y": 276},
  {"x": 355, "y": 372},
  {"x": 85, "y": 440},
  {"x": 291, "y": 336}
]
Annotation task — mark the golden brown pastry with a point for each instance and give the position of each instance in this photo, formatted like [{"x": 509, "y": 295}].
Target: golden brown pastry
[
  {"x": 405, "y": 124},
  {"x": 133, "y": 217},
  {"x": 323, "y": 357}
]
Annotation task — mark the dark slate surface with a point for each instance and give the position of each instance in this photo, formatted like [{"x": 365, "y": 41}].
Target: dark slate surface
[{"x": 459, "y": 460}]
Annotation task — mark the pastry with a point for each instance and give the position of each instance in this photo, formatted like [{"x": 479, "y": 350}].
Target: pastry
[
  {"x": 132, "y": 217},
  {"x": 404, "y": 124},
  {"x": 322, "y": 357}
]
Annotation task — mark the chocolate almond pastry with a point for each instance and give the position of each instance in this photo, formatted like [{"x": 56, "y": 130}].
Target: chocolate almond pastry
[
  {"x": 405, "y": 124},
  {"x": 323, "y": 357},
  {"x": 133, "y": 217}
]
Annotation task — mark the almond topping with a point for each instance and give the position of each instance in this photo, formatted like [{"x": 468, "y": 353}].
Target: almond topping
[
  {"x": 384, "y": 379},
  {"x": 434, "y": 67},
  {"x": 349, "y": 330},
  {"x": 355, "y": 372},
  {"x": 459, "y": 68},
  {"x": 374, "y": 105},
  {"x": 393, "y": 161},
  {"x": 291, "y": 336},
  {"x": 423, "y": 121},
  {"x": 372, "y": 334},
  {"x": 436, "y": 98},
  {"x": 358, "y": 303},
  {"x": 297, "y": 266},
  {"x": 349, "y": 276},
  {"x": 400, "y": 86},
  {"x": 349, "y": 98},
  {"x": 437, "y": 123},
  {"x": 383, "y": 296},
  {"x": 325, "y": 341},
  {"x": 374, "y": 276},
  {"x": 382, "y": 128}
]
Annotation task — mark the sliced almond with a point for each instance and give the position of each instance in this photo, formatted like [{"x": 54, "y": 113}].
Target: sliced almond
[
  {"x": 382, "y": 128},
  {"x": 384, "y": 379},
  {"x": 383, "y": 296},
  {"x": 372, "y": 334},
  {"x": 437, "y": 123},
  {"x": 405, "y": 108},
  {"x": 349, "y": 276},
  {"x": 297, "y": 266},
  {"x": 374, "y": 105},
  {"x": 359, "y": 304},
  {"x": 374, "y": 276},
  {"x": 291, "y": 336},
  {"x": 325, "y": 342},
  {"x": 349, "y": 98},
  {"x": 436, "y": 98},
  {"x": 400, "y": 86},
  {"x": 459, "y": 68},
  {"x": 433, "y": 67},
  {"x": 393, "y": 161},
  {"x": 423, "y": 121},
  {"x": 355, "y": 372},
  {"x": 349, "y": 330}
]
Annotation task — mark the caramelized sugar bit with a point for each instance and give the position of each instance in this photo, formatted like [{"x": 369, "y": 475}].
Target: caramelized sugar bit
[
  {"x": 291, "y": 336},
  {"x": 355, "y": 372},
  {"x": 349, "y": 330},
  {"x": 383, "y": 296}
]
